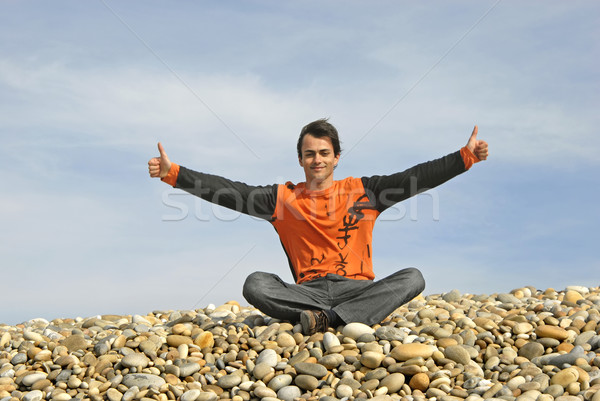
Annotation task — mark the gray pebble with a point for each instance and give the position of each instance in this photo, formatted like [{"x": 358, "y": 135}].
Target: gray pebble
[{"x": 288, "y": 393}]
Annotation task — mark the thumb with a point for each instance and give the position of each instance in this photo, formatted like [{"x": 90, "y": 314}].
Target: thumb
[
  {"x": 162, "y": 152},
  {"x": 474, "y": 133}
]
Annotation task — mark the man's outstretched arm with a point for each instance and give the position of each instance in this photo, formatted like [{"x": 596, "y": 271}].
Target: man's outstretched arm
[
  {"x": 258, "y": 201},
  {"x": 387, "y": 190}
]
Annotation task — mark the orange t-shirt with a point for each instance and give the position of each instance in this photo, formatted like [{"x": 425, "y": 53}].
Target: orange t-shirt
[{"x": 326, "y": 231}]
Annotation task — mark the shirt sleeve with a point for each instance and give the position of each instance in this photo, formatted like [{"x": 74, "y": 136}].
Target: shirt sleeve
[
  {"x": 386, "y": 190},
  {"x": 171, "y": 177},
  {"x": 468, "y": 157},
  {"x": 257, "y": 201}
]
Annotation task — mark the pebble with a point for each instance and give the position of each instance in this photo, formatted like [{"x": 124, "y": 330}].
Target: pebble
[
  {"x": 306, "y": 382},
  {"x": 288, "y": 393},
  {"x": 355, "y": 330},
  {"x": 405, "y": 352},
  {"x": 312, "y": 369},
  {"x": 268, "y": 357},
  {"x": 458, "y": 354},
  {"x": 524, "y": 345},
  {"x": 343, "y": 391},
  {"x": 35, "y": 395},
  {"x": 280, "y": 381},
  {"x": 135, "y": 360},
  {"x": 557, "y": 333},
  {"x": 142, "y": 380},
  {"x": 330, "y": 341}
]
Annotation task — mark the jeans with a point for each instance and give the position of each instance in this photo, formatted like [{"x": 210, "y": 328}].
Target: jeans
[{"x": 363, "y": 301}]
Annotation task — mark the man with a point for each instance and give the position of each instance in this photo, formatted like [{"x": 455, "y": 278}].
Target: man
[{"x": 325, "y": 228}]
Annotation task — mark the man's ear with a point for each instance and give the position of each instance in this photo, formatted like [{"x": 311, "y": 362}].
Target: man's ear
[
  {"x": 300, "y": 161},
  {"x": 336, "y": 160}
]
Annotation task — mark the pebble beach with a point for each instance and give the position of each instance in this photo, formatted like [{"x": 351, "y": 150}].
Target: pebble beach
[{"x": 524, "y": 345}]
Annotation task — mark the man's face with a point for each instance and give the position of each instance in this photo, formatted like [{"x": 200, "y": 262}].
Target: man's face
[{"x": 318, "y": 160}]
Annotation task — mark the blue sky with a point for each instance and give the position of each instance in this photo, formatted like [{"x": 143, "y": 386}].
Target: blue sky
[{"x": 87, "y": 89}]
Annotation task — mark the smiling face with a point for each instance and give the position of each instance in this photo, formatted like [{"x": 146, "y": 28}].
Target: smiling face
[{"x": 318, "y": 160}]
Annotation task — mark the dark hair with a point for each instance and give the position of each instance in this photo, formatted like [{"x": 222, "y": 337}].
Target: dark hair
[{"x": 319, "y": 129}]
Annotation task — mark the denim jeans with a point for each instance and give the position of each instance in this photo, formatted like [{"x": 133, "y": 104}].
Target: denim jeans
[{"x": 363, "y": 301}]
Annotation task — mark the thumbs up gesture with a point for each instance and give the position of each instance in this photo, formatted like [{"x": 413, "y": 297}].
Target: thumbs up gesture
[
  {"x": 159, "y": 166},
  {"x": 478, "y": 147}
]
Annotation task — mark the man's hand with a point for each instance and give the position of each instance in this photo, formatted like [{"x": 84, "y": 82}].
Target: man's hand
[
  {"x": 478, "y": 147},
  {"x": 159, "y": 166}
]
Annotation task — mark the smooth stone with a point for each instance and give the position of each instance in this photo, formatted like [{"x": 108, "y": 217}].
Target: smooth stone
[
  {"x": 35, "y": 395},
  {"x": 228, "y": 381},
  {"x": 331, "y": 361},
  {"x": 555, "y": 332},
  {"x": 393, "y": 382},
  {"x": 205, "y": 340},
  {"x": 268, "y": 332},
  {"x": 207, "y": 396},
  {"x": 446, "y": 342},
  {"x": 264, "y": 391},
  {"x": 288, "y": 393},
  {"x": 366, "y": 338},
  {"x": 60, "y": 397},
  {"x": 142, "y": 380},
  {"x": 285, "y": 340},
  {"x": 33, "y": 336},
  {"x": 565, "y": 377},
  {"x": 515, "y": 382},
  {"x": 580, "y": 289},
  {"x": 585, "y": 338},
  {"x": 299, "y": 357},
  {"x": 135, "y": 360},
  {"x": 18, "y": 359},
  {"x": 508, "y": 299},
  {"x": 343, "y": 391},
  {"x": 563, "y": 359},
  {"x": 531, "y": 350},
  {"x": 330, "y": 340},
  {"x": 175, "y": 340},
  {"x": 404, "y": 352},
  {"x": 458, "y": 354},
  {"x": 30, "y": 379},
  {"x": 5, "y": 339},
  {"x": 452, "y": 296},
  {"x": 572, "y": 296},
  {"x": 435, "y": 331},
  {"x": 261, "y": 370},
  {"x": 306, "y": 382},
  {"x": 390, "y": 333},
  {"x": 522, "y": 328},
  {"x": 188, "y": 369},
  {"x": 190, "y": 395},
  {"x": 376, "y": 374},
  {"x": 279, "y": 382},
  {"x": 555, "y": 390},
  {"x": 75, "y": 342},
  {"x": 267, "y": 356},
  {"x": 114, "y": 395},
  {"x": 101, "y": 348},
  {"x": 371, "y": 359},
  {"x": 41, "y": 384},
  {"x": 420, "y": 381},
  {"x": 129, "y": 395},
  {"x": 355, "y": 330},
  {"x": 312, "y": 369}
]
